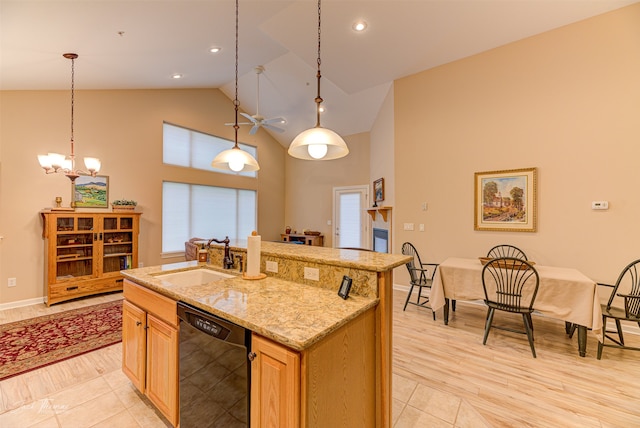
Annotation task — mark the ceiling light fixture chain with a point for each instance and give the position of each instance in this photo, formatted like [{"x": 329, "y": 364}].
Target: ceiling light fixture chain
[
  {"x": 57, "y": 163},
  {"x": 319, "y": 62},
  {"x": 235, "y": 159},
  {"x": 318, "y": 143}
]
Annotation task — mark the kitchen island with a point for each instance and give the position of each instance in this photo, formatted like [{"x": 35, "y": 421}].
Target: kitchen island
[{"x": 337, "y": 367}]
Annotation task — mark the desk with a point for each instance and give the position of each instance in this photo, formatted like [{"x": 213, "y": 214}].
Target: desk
[{"x": 563, "y": 293}]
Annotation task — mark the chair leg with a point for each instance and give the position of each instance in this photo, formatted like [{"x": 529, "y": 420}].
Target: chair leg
[
  {"x": 406, "y": 302},
  {"x": 487, "y": 326},
  {"x": 453, "y": 305},
  {"x": 619, "y": 328},
  {"x": 419, "y": 296},
  {"x": 527, "y": 326},
  {"x": 600, "y": 346}
]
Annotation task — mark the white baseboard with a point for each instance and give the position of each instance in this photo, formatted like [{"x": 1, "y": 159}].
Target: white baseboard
[{"x": 22, "y": 303}]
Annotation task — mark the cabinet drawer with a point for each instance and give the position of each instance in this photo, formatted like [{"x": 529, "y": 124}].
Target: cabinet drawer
[
  {"x": 83, "y": 287},
  {"x": 152, "y": 302}
]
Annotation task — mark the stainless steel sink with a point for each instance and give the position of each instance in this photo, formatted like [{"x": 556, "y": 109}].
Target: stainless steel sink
[{"x": 193, "y": 277}]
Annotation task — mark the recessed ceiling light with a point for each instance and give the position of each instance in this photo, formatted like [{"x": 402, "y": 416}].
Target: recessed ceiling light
[
  {"x": 215, "y": 49},
  {"x": 359, "y": 26},
  {"x": 177, "y": 76}
]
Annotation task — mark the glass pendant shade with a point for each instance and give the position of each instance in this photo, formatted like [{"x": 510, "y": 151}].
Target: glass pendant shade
[
  {"x": 318, "y": 144},
  {"x": 235, "y": 160}
]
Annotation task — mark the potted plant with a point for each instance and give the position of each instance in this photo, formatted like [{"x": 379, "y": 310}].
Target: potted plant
[{"x": 123, "y": 205}]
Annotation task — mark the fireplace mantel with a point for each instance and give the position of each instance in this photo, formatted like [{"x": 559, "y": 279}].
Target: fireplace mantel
[{"x": 384, "y": 211}]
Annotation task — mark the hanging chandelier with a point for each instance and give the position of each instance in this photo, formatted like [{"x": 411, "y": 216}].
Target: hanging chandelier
[
  {"x": 318, "y": 143},
  {"x": 235, "y": 159},
  {"x": 58, "y": 163}
]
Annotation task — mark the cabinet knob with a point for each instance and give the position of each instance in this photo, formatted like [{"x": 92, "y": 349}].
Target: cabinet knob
[{"x": 252, "y": 356}]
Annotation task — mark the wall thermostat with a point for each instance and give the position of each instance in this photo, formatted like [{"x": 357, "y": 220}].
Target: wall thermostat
[{"x": 600, "y": 205}]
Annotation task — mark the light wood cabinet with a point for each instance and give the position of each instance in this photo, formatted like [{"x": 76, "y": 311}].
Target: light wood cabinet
[
  {"x": 150, "y": 347},
  {"x": 85, "y": 252},
  {"x": 275, "y": 385},
  {"x": 330, "y": 384}
]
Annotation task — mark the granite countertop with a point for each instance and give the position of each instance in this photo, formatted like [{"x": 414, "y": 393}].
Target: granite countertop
[
  {"x": 366, "y": 260},
  {"x": 295, "y": 315}
]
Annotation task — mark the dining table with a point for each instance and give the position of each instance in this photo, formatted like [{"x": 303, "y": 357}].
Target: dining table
[{"x": 563, "y": 293}]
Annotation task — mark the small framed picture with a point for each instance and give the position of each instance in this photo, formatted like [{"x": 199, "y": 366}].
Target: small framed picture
[
  {"x": 345, "y": 287},
  {"x": 378, "y": 190},
  {"x": 91, "y": 192}
]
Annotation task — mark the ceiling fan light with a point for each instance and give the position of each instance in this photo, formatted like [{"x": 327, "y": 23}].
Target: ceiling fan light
[
  {"x": 235, "y": 160},
  {"x": 301, "y": 146}
]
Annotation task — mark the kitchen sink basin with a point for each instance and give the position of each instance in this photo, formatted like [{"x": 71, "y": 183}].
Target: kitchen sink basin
[{"x": 193, "y": 277}]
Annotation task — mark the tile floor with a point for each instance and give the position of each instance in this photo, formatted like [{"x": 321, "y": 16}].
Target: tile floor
[{"x": 91, "y": 391}]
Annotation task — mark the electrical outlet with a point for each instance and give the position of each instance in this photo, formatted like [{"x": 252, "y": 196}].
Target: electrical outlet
[
  {"x": 312, "y": 274},
  {"x": 140, "y": 264},
  {"x": 421, "y": 227},
  {"x": 11, "y": 282},
  {"x": 272, "y": 266}
]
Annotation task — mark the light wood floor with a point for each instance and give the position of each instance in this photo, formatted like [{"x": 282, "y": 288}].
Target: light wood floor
[{"x": 442, "y": 377}]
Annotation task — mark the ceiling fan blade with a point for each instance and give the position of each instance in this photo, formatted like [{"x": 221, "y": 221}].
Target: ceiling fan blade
[
  {"x": 274, "y": 120},
  {"x": 249, "y": 117},
  {"x": 273, "y": 128},
  {"x": 254, "y": 129}
]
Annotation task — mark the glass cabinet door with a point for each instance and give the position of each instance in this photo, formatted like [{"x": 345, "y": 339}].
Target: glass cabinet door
[
  {"x": 117, "y": 243},
  {"x": 74, "y": 247}
]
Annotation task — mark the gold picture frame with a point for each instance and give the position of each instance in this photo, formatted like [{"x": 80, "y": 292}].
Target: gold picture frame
[
  {"x": 91, "y": 192},
  {"x": 506, "y": 200}
]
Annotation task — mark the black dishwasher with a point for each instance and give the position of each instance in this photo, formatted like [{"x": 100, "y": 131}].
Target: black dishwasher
[{"x": 215, "y": 372}]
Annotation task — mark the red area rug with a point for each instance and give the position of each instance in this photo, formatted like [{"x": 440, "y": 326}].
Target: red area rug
[{"x": 37, "y": 342}]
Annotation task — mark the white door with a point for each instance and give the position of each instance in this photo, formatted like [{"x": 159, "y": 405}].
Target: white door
[{"x": 350, "y": 218}]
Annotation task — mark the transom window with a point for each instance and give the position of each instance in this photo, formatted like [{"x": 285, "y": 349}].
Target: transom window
[{"x": 193, "y": 149}]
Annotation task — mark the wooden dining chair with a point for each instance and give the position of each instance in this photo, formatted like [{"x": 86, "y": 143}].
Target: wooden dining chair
[
  {"x": 623, "y": 305},
  {"x": 506, "y": 250},
  {"x": 511, "y": 285},
  {"x": 421, "y": 276}
]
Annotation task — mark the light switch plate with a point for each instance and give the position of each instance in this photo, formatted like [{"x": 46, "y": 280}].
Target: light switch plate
[
  {"x": 312, "y": 274},
  {"x": 408, "y": 226},
  {"x": 600, "y": 205},
  {"x": 272, "y": 266}
]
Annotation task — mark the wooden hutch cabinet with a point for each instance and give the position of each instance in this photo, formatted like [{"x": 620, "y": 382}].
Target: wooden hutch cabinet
[{"x": 85, "y": 252}]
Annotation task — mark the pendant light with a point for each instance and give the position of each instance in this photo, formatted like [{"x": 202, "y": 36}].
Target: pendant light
[
  {"x": 57, "y": 163},
  {"x": 235, "y": 159},
  {"x": 318, "y": 143}
]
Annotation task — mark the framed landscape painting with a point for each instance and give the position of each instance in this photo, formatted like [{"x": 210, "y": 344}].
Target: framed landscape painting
[
  {"x": 91, "y": 192},
  {"x": 506, "y": 200}
]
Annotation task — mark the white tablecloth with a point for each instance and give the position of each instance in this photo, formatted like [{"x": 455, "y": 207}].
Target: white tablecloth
[{"x": 564, "y": 293}]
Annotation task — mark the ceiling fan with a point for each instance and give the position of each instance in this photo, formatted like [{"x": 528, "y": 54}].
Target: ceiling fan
[{"x": 257, "y": 120}]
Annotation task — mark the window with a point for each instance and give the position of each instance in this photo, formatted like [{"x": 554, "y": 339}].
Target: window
[
  {"x": 193, "y": 149},
  {"x": 191, "y": 210}
]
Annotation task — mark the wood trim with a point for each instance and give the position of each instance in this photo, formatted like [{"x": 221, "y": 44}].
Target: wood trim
[
  {"x": 384, "y": 356},
  {"x": 152, "y": 302}
]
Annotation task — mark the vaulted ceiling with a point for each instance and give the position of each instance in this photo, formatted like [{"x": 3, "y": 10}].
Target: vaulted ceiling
[{"x": 141, "y": 44}]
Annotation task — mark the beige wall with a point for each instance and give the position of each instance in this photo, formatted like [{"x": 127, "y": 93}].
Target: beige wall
[
  {"x": 309, "y": 186},
  {"x": 124, "y": 129},
  {"x": 567, "y": 102}
]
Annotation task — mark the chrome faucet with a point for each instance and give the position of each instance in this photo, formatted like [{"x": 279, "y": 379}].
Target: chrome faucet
[{"x": 227, "y": 263}]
